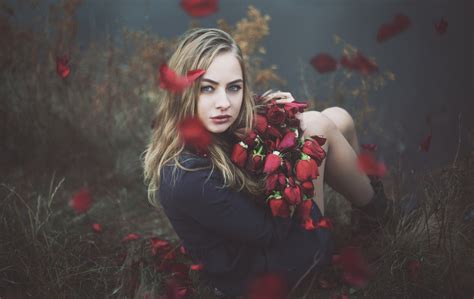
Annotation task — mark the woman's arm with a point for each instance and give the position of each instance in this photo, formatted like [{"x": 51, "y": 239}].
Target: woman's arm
[{"x": 228, "y": 213}]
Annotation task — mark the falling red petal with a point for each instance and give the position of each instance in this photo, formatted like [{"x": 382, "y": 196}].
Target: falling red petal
[
  {"x": 399, "y": 24},
  {"x": 425, "y": 144},
  {"x": 97, "y": 227},
  {"x": 200, "y": 8},
  {"x": 194, "y": 134},
  {"x": 324, "y": 63},
  {"x": 367, "y": 163},
  {"x": 197, "y": 267},
  {"x": 81, "y": 201},
  {"x": 62, "y": 68},
  {"x": 441, "y": 26},
  {"x": 174, "y": 83},
  {"x": 355, "y": 267}
]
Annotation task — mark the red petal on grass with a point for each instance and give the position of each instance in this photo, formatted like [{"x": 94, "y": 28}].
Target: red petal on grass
[
  {"x": 62, "y": 66},
  {"x": 97, "y": 227},
  {"x": 196, "y": 267},
  {"x": 194, "y": 134},
  {"x": 200, "y": 8},
  {"x": 81, "y": 201},
  {"x": 158, "y": 244},
  {"x": 441, "y": 26},
  {"x": 175, "y": 290},
  {"x": 425, "y": 143},
  {"x": 324, "y": 63},
  {"x": 174, "y": 83},
  {"x": 131, "y": 237},
  {"x": 355, "y": 267},
  {"x": 367, "y": 163},
  {"x": 268, "y": 286},
  {"x": 413, "y": 268}
]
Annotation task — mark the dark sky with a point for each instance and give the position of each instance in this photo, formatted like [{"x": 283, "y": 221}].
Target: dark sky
[{"x": 434, "y": 72}]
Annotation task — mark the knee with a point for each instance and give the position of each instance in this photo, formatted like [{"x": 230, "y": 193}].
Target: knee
[
  {"x": 341, "y": 118},
  {"x": 316, "y": 123}
]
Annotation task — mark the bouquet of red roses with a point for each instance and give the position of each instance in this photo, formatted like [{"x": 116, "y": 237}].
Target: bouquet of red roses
[{"x": 275, "y": 147}]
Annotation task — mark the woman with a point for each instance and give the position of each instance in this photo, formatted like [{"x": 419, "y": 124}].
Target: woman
[{"x": 211, "y": 203}]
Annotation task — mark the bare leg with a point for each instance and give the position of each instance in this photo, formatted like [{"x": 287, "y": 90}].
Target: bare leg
[{"x": 339, "y": 169}]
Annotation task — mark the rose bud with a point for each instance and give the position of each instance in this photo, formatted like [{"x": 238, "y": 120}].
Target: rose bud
[
  {"x": 304, "y": 209},
  {"x": 306, "y": 169},
  {"x": 271, "y": 182},
  {"x": 308, "y": 224},
  {"x": 261, "y": 123},
  {"x": 314, "y": 150},
  {"x": 276, "y": 115},
  {"x": 279, "y": 207},
  {"x": 281, "y": 179},
  {"x": 272, "y": 162},
  {"x": 307, "y": 188},
  {"x": 292, "y": 195},
  {"x": 239, "y": 154},
  {"x": 288, "y": 141},
  {"x": 255, "y": 162}
]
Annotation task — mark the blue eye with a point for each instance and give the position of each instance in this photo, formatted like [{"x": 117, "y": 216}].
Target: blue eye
[
  {"x": 205, "y": 88},
  {"x": 235, "y": 88}
]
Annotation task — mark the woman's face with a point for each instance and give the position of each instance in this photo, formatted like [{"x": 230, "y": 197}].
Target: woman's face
[{"x": 221, "y": 93}]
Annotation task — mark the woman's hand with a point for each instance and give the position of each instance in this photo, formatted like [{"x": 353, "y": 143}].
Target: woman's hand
[{"x": 279, "y": 97}]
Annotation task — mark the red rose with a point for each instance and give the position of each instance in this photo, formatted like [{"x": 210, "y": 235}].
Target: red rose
[
  {"x": 292, "y": 194},
  {"x": 308, "y": 188},
  {"x": 239, "y": 154},
  {"x": 304, "y": 208},
  {"x": 314, "y": 150},
  {"x": 279, "y": 207},
  {"x": 288, "y": 141},
  {"x": 270, "y": 145},
  {"x": 306, "y": 170},
  {"x": 272, "y": 162},
  {"x": 276, "y": 115},
  {"x": 271, "y": 182}
]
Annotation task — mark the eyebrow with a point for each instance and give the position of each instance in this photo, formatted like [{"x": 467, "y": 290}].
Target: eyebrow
[{"x": 216, "y": 83}]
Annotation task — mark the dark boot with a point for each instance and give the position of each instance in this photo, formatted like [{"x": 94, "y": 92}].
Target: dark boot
[{"x": 376, "y": 214}]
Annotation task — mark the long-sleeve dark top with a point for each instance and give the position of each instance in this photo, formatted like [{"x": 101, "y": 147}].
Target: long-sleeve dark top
[{"x": 230, "y": 234}]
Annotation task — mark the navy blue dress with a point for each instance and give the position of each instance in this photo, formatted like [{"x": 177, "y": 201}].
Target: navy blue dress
[{"x": 231, "y": 235}]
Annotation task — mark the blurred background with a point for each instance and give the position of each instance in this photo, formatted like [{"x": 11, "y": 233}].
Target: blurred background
[{"x": 79, "y": 89}]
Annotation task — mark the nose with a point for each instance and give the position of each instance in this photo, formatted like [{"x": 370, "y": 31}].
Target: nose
[{"x": 222, "y": 101}]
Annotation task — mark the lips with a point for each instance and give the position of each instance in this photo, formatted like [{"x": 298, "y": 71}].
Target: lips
[{"x": 221, "y": 117}]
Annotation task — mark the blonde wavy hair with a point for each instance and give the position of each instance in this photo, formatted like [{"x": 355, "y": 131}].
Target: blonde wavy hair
[{"x": 196, "y": 49}]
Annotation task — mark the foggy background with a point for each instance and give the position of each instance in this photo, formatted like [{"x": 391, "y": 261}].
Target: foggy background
[{"x": 433, "y": 72}]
